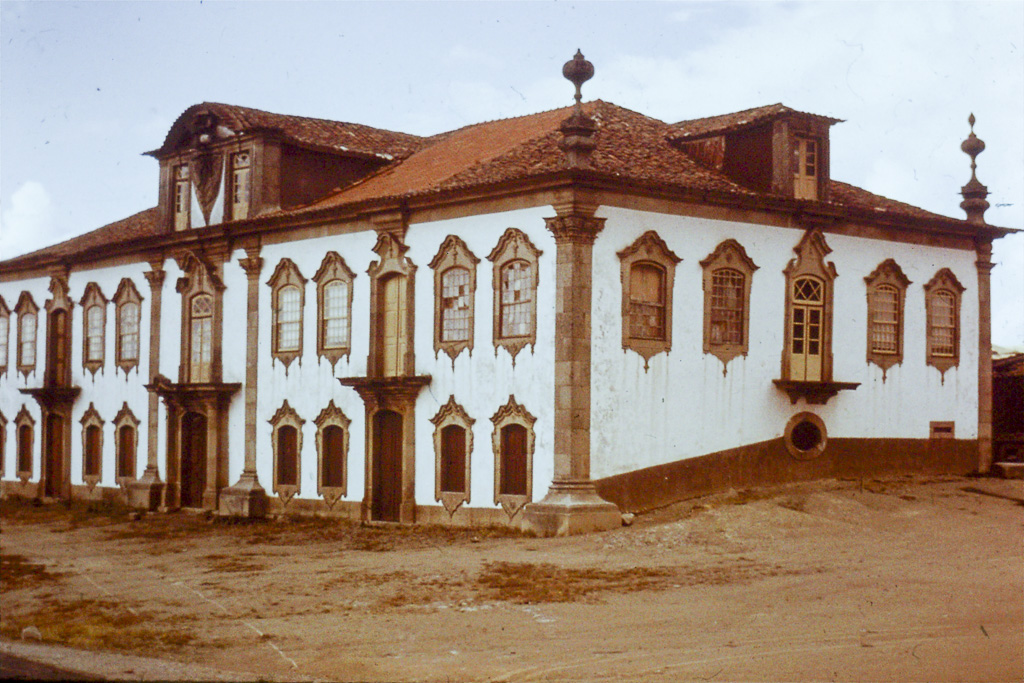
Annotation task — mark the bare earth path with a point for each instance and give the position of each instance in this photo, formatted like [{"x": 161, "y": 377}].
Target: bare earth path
[{"x": 910, "y": 580}]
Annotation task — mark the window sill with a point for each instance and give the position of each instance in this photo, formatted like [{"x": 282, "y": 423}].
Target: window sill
[{"x": 815, "y": 393}]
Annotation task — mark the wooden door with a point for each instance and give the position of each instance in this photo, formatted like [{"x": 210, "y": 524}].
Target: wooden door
[
  {"x": 392, "y": 319},
  {"x": 54, "y": 457},
  {"x": 193, "y": 460},
  {"x": 806, "y": 344},
  {"x": 513, "y": 460},
  {"x": 59, "y": 349},
  {"x": 805, "y": 173},
  {"x": 387, "y": 466}
]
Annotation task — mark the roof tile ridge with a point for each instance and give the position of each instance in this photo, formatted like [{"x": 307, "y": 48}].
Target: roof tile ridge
[
  {"x": 732, "y": 113},
  {"x": 444, "y": 134},
  {"x": 245, "y": 110}
]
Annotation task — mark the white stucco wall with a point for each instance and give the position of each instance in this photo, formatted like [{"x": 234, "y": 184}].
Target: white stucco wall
[{"x": 683, "y": 406}]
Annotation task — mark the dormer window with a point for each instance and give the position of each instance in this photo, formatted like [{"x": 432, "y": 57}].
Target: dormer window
[
  {"x": 241, "y": 163},
  {"x": 182, "y": 198},
  {"x": 805, "y": 168}
]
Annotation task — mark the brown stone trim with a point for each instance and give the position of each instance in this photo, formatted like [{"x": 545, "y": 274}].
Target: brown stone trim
[
  {"x": 513, "y": 246},
  {"x": 155, "y": 278},
  {"x": 451, "y": 413},
  {"x": 286, "y": 274},
  {"x": 728, "y": 255},
  {"x": 24, "y": 425},
  {"x": 286, "y": 416},
  {"x": 126, "y": 293},
  {"x": 93, "y": 296},
  {"x": 453, "y": 253},
  {"x": 393, "y": 263},
  {"x": 59, "y": 301},
  {"x": 126, "y": 418},
  {"x": 333, "y": 268},
  {"x": 810, "y": 261},
  {"x": 648, "y": 249},
  {"x": 943, "y": 281},
  {"x": 768, "y": 463},
  {"x": 888, "y": 274},
  {"x": 815, "y": 393},
  {"x": 984, "y": 265},
  {"x": 91, "y": 418},
  {"x": 331, "y": 416},
  {"x": 508, "y": 414},
  {"x": 200, "y": 277}
]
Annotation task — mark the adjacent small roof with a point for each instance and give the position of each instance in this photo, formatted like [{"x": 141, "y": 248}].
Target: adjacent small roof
[
  {"x": 726, "y": 123},
  {"x": 338, "y": 136}
]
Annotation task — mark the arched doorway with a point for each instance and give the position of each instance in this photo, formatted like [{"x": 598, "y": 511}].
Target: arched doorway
[
  {"x": 387, "y": 466},
  {"x": 54, "y": 475},
  {"x": 193, "y": 460}
]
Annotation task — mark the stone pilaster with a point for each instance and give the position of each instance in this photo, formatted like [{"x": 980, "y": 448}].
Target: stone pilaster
[
  {"x": 247, "y": 498},
  {"x": 572, "y": 504},
  {"x": 984, "y": 265},
  {"x": 147, "y": 492}
]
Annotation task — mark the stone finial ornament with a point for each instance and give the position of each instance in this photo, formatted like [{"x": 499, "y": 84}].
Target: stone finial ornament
[
  {"x": 578, "y": 130},
  {"x": 974, "y": 192}
]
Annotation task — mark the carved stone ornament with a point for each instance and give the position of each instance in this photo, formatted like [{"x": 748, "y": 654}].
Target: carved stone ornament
[
  {"x": 886, "y": 288},
  {"x": 126, "y": 418},
  {"x": 92, "y": 419},
  {"x": 287, "y": 417},
  {"x": 24, "y": 424},
  {"x": 333, "y": 272},
  {"x": 286, "y": 275},
  {"x": 651, "y": 251},
  {"x": 205, "y": 170},
  {"x": 729, "y": 262},
  {"x": 515, "y": 249},
  {"x": 454, "y": 254},
  {"x": 508, "y": 414},
  {"x": 331, "y": 416},
  {"x": 451, "y": 414}
]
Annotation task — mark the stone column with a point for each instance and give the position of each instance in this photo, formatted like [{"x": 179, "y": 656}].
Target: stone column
[
  {"x": 147, "y": 492},
  {"x": 247, "y": 498},
  {"x": 984, "y": 265},
  {"x": 572, "y": 505}
]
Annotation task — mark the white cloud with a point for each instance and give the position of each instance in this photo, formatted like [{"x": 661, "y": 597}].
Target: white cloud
[{"x": 26, "y": 223}]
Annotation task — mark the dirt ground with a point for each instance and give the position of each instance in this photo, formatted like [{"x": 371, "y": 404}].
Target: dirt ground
[{"x": 905, "y": 579}]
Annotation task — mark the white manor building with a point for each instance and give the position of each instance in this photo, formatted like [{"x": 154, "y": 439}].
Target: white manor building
[{"x": 543, "y": 321}]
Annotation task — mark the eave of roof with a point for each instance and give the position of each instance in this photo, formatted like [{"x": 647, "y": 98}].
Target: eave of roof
[{"x": 712, "y": 126}]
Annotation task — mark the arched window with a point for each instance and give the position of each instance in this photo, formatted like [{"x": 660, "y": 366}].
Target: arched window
[
  {"x": 332, "y": 451},
  {"x": 516, "y": 264},
  {"x": 335, "y": 315},
  {"x": 27, "y": 312},
  {"x": 728, "y": 272},
  {"x": 942, "y": 305},
  {"x": 809, "y": 279},
  {"x": 332, "y": 473},
  {"x": 287, "y": 297},
  {"x": 201, "y": 338},
  {"x": 94, "y": 334},
  {"x": 513, "y": 460},
  {"x": 647, "y": 271},
  {"x": 289, "y": 318},
  {"x": 240, "y": 167},
  {"x": 334, "y": 308},
  {"x": 126, "y": 451},
  {"x": 453, "y": 447},
  {"x": 287, "y": 456},
  {"x": 808, "y": 313},
  {"x": 453, "y": 459},
  {"x": 647, "y": 301},
  {"x": 454, "y": 268},
  {"x": 92, "y": 446},
  {"x": 24, "y": 426},
  {"x": 517, "y": 300},
  {"x": 887, "y": 287},
  {"x": 128, "y": 332},
  {"x": 513, "y": 443},
  {"x": 59, "y": 347},
  {"x": 5, "y": 334},
  {"x": 456, "y": 305}
]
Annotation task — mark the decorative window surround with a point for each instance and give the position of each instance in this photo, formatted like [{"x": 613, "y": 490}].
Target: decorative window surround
[
  {"x": 24, "y": 427},
  {"x": 332, "y": 477},
  {"x": 450, "y": 417},
  {"x": 5, "y": 336},
  {"x": 94, "y": 326},
  {"x": 241, "y": 167},
  {"x": 886, "y": 293},
  {"x": 515, "y": 277},
  {"x": 648, "y": 251},
  {"x": 942, "y": 306},
  {"x": 128, "y": 307},
  {"x": 454, "y": 268},
  {"x": 201, "y": 292},
  {"x": 28, "y": 333},
  {"x": 334, "y": 282},
  {"x": 728, "y": 273},
  {"x": 392, "y": 351},
  {"x": 287, "y": 426},
  {"x": 92, "y": 447},
  {"x": 126, "y": 440},
  {"x": 506, "y": 421},
  {"x": 58, "y": 334},
  {"x": 288, "y": 298}
]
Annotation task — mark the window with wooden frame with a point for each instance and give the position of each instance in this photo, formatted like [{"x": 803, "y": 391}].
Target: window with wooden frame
[
  {"x": 515, "y": 281},
  {"x": 182, "y": 199},
  {"x": 808, "y": 355},
  {"x": 5, "y": 335},
  {"x": 728, "y": 273},
  {"x": 24, "y": 427},
  {"x": 3, "y": 445},
  {"x": 942, "y": 307},
  {"x": 201, "y": 292},
  {"x": 453, "y": 448},
  {"x": 241, "y": 163},
  {"x": 201, "y": 338},
  {"x": 805, "y": 167},
  {"x": 128, "y": 304},
  {"x": 28, "y": 316},
  {"x": 513, "y": 443},
  {"x": 58, "y": 335},
  {"x": 126, "y": 430},
  {"x": 886, "y": 292},
  {"x": 288, "y": 295},
  {"x": 92, "y": 447},
  {"x": 647, "y": 273},
  {"x": 454, "y": 268},
  {"x": 94, "y": 323},
  {"x": 334, "y": 308},
  {"x": 332, "y": 453},
  {"x": 287, "y": 445}
]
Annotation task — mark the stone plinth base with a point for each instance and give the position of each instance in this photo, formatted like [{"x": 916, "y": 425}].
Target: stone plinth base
[
  {"x": 570, "y": 509},
  {"x": 245, "y": 499},
  {"x": 1008, "y": 470},
  {"x": 146, "y": 493}
]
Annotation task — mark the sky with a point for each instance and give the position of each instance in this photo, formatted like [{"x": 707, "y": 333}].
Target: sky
[{"x": 86, "y": 88}]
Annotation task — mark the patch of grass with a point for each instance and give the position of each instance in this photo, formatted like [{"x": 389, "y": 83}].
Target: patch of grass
[
  {"x": 73, "y": 513},
  {"x": 95, "y": 624},
  {"x": 17, "y": 572},
  {"x": 233, "y": 563},
  {"x": 525, "y": 583}
]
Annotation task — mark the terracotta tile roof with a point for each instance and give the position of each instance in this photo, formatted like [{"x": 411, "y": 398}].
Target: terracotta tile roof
[
  {"x": 850, "y": 196},
  {"x": 336, "y": 135},
  {"x": 629, "y": 145},
  {"x": 137, "y": 226},
  {"x": 717, "y": 125}
]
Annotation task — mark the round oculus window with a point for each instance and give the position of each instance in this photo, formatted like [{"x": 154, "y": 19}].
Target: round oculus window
[{"x": 805, "y": 436}]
